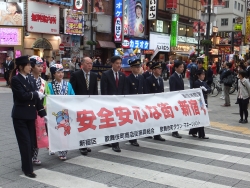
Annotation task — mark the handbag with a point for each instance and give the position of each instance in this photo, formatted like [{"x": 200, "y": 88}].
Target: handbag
[
  {"x": 229, "y": 80},
  {"x": 41, "y": 133}
]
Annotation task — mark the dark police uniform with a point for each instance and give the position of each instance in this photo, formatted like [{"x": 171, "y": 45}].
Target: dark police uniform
[
  {"x": 136, "y": 85},
  {"x": 155, "y": 85},
  {"x": 26, "y": 106},
  {"x": 147, "y": 73}
]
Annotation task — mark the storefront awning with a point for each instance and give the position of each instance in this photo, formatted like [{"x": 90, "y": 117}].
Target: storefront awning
[{"x": 106, "y": 44}]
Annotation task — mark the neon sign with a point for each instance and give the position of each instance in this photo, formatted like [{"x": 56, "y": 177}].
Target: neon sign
[{"x": 10, "y": 36}]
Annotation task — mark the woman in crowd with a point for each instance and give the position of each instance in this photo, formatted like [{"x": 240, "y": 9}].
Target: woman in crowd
[
  {"x": 243, "y": 95},
  {"x": 227, "y": 86},
  {"x": 27, "y": 104},
  {"x": 58, "y": 86},
  {"x": 42, "y": 86},
  {"x": 200, "y": 83}
]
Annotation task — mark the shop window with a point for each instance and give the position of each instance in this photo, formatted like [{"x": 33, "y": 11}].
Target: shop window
[
  {"x": 189, "y": 31},
  {"x": 224, "y": 21},
  {"x": 235, "y": 4},
  {"x": 182, "y": 30},
  {"x": 238, "y": 6}
]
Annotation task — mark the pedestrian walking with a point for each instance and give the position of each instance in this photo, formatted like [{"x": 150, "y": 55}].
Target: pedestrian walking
[
  {"x": 227, "y": 81},
  {"x": 136, "y": 85},
  {"x": 155, "y": 85},
  {"x": 200, "y": 83},
  {"x": 243, "y": 95},
  {"x": 113, "y": 82},
  {"x": 58, "y": 86},
  {"x": 27, "y": 103},
  {"x": 84, "y": 82},
  {"x": 192, "y": 67},
  {"x": 176, "y": 84},
  {"x": 8, "y": 67}
]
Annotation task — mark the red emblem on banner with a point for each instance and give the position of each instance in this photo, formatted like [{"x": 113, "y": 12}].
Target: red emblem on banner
[{"x": 171, "y": 4}]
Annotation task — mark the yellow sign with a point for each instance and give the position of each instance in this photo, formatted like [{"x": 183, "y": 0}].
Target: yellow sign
[
  {"x": 238, "y": 27},
  {"x": 205, "y": 65},
  {"x": 247, "y": 36}
]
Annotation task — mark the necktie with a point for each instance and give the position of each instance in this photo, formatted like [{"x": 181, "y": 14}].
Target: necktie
[
  {"x": 87, "y": 81},
  {"x": 27, "y": 79},
  {"x": 116, "y": 79}
]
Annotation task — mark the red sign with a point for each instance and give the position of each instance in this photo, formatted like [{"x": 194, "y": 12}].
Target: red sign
[
  {"x": 219, "y": 3},
  {"x": 204, "y": 3},
  {"x": 118, "y": 29},
  {"x": 61, "y": 47},
  {"x": 126, "y": 43},
  {"x": 171, "y": 4},
  {"x": 78, "y": 4},
  {"x": 196, "y": 26}
]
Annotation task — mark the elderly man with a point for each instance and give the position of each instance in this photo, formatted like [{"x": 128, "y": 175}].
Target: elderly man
[{"x": 84, "y": 82}]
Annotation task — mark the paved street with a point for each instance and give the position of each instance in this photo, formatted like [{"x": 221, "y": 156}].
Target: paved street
[{"x": 222, "y": 161}]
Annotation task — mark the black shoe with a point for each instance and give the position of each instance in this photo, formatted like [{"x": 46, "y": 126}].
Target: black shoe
[
  {"x": 88, "y": 149},
  {"x": 245, "y": 121},
  {"x": 241, "y": 121},
  {"x": 84, "y": 151},
  {"x": 176, "y": 135},
  {"x": 134, "y": 144},
  {"x": 116, "y": 149},
  {"x": 204, "y": 137},
  {"x": 193, "y": 135},
  {"x": 30, "y": 175},
  {"x": 158, "y": 137},
  {"x": 236, "y": 102}
]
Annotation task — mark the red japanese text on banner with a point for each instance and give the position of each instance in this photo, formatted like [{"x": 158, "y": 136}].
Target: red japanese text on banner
[{"x": 84, "y": 121}]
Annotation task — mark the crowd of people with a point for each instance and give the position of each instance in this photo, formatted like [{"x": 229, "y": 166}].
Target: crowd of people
[{"x": 30, "y": 91}]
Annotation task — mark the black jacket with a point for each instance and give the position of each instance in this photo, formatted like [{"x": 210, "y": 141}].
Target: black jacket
[
  {"x": 146, "y": 74},
  {"x": 153, "y": 86},
  {"x": 175, "y": 82},
  {"x": 9, "y": 67},
  {"x": 225, "y": 75},
  {"x": 26, "y": 99},
  {"x": 136, "y": 85},
  {"x": 108, "y": 84},
  {"x": 198, "y": 84},
  {"x": 78, "y": 83}
]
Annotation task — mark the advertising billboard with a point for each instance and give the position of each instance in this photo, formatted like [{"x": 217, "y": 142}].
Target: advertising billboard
[{"x": 73, "y": 22}]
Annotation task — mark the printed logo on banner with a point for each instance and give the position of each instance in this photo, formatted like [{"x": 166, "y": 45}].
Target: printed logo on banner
[
  {"x": 126, "y": 43},
  {"x": 78, "y": 4},
  {"x": 42, "y": 19},
  {"x": 152, "y": 10},
  {"x": 108, "y": 122}
]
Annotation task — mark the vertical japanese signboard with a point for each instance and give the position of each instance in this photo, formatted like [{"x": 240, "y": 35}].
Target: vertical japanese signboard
[
  {"x": 152, "y": 9},
  {"x": 118, "y": 13},
  {"x": 174, "y": 30}
]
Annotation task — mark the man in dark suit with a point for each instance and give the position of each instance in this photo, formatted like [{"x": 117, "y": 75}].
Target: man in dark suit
[
  {"x": 176, "y": 84},
  {"x": 8, "y": 67},
  {"x": 84, "y": 82},
  {"x": 113, "y": 82},
  {"x": 136, "y": 85},
  {"x": 149, "y": 71},
  {"x": 155, "y": 85}
]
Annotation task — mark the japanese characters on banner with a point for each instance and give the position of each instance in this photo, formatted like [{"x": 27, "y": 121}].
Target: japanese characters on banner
[
  {"x": 152, "y": 9},
  {"x": 247, "y": 36},
  {"x": 118, "y": 21},
  {"x": 171, "y": 4},
  {"x": 134, "y": 18},
  {"x": 132, "y": 43},
  {"x": 42, "y": 18},
  {"x": 219, "y": 3},
  {"x": 78, "y": 5},
  {"x": 11, "y": 13},
  {"x": 74, "y": 122},
  {"x": 202, "y": 27},
  {"x": 159, "y": 41},
  {"x": 73, "y": 22}
]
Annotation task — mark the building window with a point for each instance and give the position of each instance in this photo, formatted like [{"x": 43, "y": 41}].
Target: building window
[
  {"x": 241, "y": 8},
  {"x": 226, "y": 4},
  {"x": 224, "y": 21},
  {"x": 235, "y": 4},
  {"x": 238, "y": 6}
]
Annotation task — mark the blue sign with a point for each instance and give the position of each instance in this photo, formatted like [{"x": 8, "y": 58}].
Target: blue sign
[
  {"x": 141, "y": 44},
  {"x": 118, "y": 8},
  {"x": 61, "y": 2}
]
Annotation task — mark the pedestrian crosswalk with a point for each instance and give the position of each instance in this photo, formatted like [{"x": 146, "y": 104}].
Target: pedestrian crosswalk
[{"x": 179, "y": 163}]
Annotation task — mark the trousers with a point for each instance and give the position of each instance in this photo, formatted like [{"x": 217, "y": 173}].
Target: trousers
[
  {"x": 226, "y": 93},
  {"x": 243, "y": 105},
  {"x": 26, "y": 135}
]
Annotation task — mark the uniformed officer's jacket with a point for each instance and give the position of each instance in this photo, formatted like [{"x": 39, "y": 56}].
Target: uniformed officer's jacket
[
  {"x": 146, "y": 74},
  {"x": 153, "y": 86},
  {"x": 136, "y": 85},
  {"x": 26, "y": 99}
]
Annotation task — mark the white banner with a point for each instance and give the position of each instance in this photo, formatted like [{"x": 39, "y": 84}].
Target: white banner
[
  {"x": 42, "y": 18},
  {"x": 160, "y": 41},
  {"x": 83, "y": 121}
]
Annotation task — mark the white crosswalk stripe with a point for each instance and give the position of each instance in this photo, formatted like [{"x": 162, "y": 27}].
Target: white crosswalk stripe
[
  {"x": 61, "y": 180},
  {"x": 208, "y": 144},
  {"x": 143, "y": 174},
  {"x": 182, "y": 164},
  {"x": 194, "y": 152}
]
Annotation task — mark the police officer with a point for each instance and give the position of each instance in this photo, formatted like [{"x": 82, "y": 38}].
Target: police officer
[
  {"x": 27, "y": 103},
  {"x": 149, "y": 71},
  {"x": 136, "y": 85},
  {"x": 155, "y": 85}
]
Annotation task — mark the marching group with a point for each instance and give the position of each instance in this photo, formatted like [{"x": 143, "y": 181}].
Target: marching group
[{"x": 30, "y": 90}]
